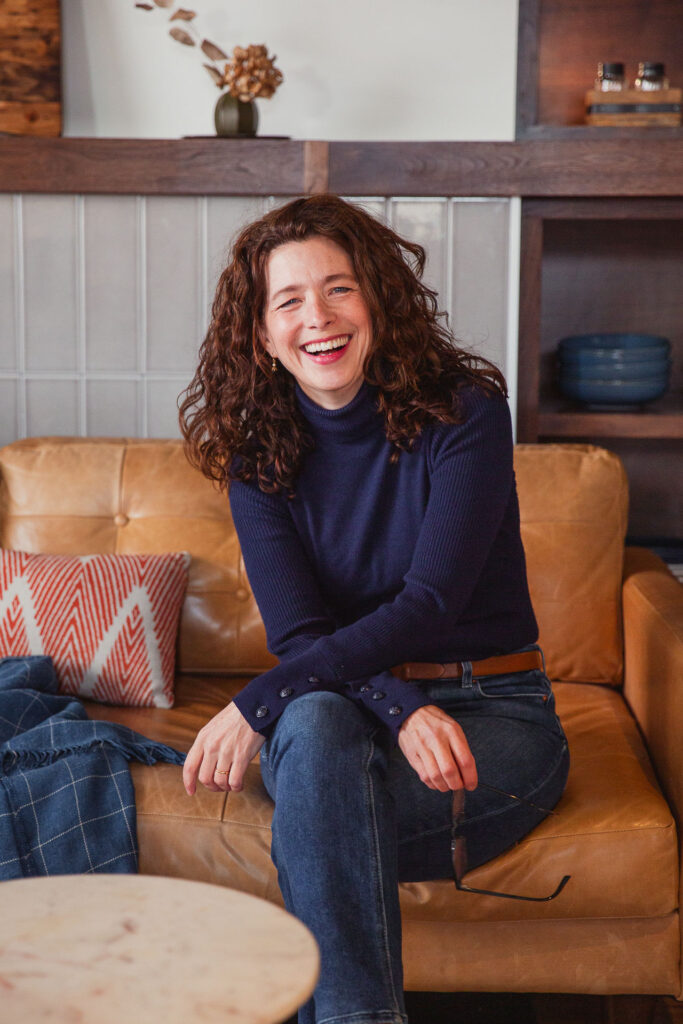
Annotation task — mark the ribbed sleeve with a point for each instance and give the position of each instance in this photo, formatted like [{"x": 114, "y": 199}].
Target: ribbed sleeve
[{"x": 469, "y": 498}]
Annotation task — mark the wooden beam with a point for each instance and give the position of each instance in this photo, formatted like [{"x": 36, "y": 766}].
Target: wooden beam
[
  {"x": 582, "y": 167},
  {"x": 633, "y": 167},
  {"x": 215, "y": 166},
  {"x": 316, "y": 167}
]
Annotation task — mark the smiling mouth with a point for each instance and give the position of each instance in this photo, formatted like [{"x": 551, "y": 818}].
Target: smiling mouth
[{"x": 314, "y": 348}]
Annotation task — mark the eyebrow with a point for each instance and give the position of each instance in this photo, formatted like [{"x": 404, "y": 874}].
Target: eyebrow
[{"x": 299, "y": 287}]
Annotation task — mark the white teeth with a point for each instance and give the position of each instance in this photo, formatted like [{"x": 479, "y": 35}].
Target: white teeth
[{"x": 326, "y": 346}]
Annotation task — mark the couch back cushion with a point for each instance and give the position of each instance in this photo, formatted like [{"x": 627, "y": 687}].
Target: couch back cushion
[
  {"x": 574, "y": 508},
  {"x": 119, "y": 495}
]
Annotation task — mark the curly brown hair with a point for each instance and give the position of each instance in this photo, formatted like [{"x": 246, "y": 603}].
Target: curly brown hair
[{"x": 242, "y": 421}]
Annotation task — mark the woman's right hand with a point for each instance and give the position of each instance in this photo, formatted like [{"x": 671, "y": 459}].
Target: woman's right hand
[{"x": 436, "y": 747}]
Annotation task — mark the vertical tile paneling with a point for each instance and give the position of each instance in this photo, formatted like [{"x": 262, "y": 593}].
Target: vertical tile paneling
[
  {"x": 50, "y": 285},
  {"x": 111, "y": 280},
  {"x": 8, "y": 345},
  {"x": 480, "y": 276},
  {"x": 8, "y": 411},
  {"x": 148, "y": 270},
  {"x": 375, "y": 207},
  {"x": 175, "y": 306},
  {"x": 425, "y": 222},
  {"x": 112, "y": 408},
  {"x": 52, "y": 407},
  {"x": 162, "y": 397},
  {"x": 226, "y": 216}
]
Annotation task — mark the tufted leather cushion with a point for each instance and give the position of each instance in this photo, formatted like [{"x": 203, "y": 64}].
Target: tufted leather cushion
[
  {"x": 596, "y": 836},
  {"x": 573, "y": 507},
  {"x": 88, "y": 495}
]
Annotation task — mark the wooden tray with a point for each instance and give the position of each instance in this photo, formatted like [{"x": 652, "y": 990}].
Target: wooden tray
[
  {"x": 30, "y": 81},
  {"x": 633, "y": 107}
]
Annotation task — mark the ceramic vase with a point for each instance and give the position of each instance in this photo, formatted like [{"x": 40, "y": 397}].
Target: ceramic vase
[{"x": 235, "y": 117}]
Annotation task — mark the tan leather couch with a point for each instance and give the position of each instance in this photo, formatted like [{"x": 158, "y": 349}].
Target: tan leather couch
[{"x": 612, "y": 631}]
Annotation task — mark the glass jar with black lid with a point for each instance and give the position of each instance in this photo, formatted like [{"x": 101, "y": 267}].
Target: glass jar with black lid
[
  {"x": 610, "y": 77},
  {"x": 651, "y": 76}
]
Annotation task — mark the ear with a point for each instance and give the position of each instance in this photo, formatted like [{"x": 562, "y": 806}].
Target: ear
[{"x": 266, "y": 343}]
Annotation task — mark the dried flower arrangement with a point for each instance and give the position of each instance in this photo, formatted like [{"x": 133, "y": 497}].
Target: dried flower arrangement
[{"x": 248, "y": 74}]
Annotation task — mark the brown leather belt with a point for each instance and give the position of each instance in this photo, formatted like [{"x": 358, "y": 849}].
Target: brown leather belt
[{"x": 501, "y": 664}]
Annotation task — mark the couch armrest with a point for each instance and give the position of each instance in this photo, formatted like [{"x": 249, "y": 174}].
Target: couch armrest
[
  {"x": 653, "y": 665},
  {"x": 653, "y": 668}
]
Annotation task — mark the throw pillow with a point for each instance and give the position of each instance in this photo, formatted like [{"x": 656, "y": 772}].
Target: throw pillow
[{"x": 109, "y": 622}]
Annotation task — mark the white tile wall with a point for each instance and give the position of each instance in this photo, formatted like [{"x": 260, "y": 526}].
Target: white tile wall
[
  {"x": 175, "y": 244},
  {"x": 112, "y": 282},
  {"x": 7, "y": 278},
  {"x": 52, "y": 407},
  {"x": 104, "y": 300},
  {"x": 425, "y": 221},
  {"x": 52, "y": 303},
  {"x": 8, "y": 411},
  {"x": 113, "y": 408},
  {"x": 479, "y": 243}
]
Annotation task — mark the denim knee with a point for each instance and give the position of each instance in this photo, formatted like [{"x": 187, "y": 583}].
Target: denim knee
[
  {"x": 317, "y": 726},
  {"x": 317, "y": 735}
]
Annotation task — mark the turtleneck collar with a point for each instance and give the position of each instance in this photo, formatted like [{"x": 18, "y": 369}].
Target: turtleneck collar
[{"x": 355, "y": 420}]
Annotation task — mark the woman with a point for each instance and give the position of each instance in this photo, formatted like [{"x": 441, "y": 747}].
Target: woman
[{"x": 369, "y": 466}]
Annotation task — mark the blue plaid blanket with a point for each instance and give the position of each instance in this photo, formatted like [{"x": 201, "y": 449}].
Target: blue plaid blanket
[{"x": 67, "y": 803}]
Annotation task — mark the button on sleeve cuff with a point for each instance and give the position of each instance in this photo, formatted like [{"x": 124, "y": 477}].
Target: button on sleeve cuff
[
  {"x": 390, "y": 699},
  {"x": 264, "y": 699}
]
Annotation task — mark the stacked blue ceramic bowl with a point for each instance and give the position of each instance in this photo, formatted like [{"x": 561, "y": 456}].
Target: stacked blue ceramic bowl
[{"x": 614, "y": 370}]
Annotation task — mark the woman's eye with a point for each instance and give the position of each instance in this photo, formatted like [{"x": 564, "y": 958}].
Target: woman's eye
[
  {"x": 288, "y": 303},
  {"x": 341, "y": 288}
]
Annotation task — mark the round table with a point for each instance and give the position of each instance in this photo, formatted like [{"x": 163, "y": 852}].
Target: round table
[{"x": 123, "y": 949}]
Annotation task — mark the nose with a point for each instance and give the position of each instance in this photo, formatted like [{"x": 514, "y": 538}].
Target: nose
[{"x": 320, "y": 313}]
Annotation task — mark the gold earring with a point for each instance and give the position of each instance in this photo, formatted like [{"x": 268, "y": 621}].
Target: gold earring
[{"x": 273, "y": 365}]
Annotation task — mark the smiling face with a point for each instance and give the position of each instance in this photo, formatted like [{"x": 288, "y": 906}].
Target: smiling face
[{"x": 317, "y": 322}]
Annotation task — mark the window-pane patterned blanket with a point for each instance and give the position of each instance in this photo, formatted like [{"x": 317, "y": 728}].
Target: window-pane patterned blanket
[{"x": 67, "y": 803}]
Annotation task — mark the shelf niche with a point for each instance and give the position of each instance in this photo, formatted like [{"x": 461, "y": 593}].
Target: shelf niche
[
  {"x": 560, "y": 45},
  {"x": 605, "y": 266}
]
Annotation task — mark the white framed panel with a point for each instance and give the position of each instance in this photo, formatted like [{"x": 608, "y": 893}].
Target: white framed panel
[
  {"x": 113, "y": 408},
  {"x": 479, "y": 260},
  {"x": 9, "y": 426},
  {"x": 52, "y": 407},
  {"x": 51, "y": 300},
  {"x": 162, "y": 408},
  {"x": 111, "y": 282},
  {"x": 174, "y": 304},
  {"x": 425, "y": 221},
  {"x": 8, "y": 285}
]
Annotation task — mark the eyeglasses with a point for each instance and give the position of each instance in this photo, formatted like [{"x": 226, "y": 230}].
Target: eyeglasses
[{"x": 459, "y": 849}]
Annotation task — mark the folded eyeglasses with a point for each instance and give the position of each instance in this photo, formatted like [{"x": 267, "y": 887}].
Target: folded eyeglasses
[{"x": 459, "y": 849}]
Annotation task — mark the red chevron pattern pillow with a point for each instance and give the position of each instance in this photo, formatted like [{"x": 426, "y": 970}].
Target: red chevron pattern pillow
[{"x": 109, "y": 622}]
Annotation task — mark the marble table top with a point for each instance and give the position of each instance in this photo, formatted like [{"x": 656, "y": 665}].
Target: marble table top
[{"x": 139, "y": 949}]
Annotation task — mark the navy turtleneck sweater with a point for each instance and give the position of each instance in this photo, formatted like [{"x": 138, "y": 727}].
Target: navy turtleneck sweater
[{"x": 373, "y": 563}]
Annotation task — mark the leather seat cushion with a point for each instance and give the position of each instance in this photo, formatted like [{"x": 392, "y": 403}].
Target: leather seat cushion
[{"x": 621, "y": 854}]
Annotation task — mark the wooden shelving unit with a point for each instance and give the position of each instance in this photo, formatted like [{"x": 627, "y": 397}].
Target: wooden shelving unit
[
  {"x": 598, "y": 262},
  {"x": 662, "y": 420}
]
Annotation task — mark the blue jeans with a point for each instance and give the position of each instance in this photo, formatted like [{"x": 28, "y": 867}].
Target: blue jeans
[{"x": 352, "y": 819}]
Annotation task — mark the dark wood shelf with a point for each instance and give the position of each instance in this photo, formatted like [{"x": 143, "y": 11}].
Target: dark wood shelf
[
  {"x": 555, "y": 168},
  {"x": 598, "y": 133},
  {"x": 662, "y": 419},
  {"x": 214, "y": 166}
]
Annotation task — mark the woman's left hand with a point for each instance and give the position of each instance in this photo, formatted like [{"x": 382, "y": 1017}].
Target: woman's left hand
[{"x": 227, "y": 742}]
